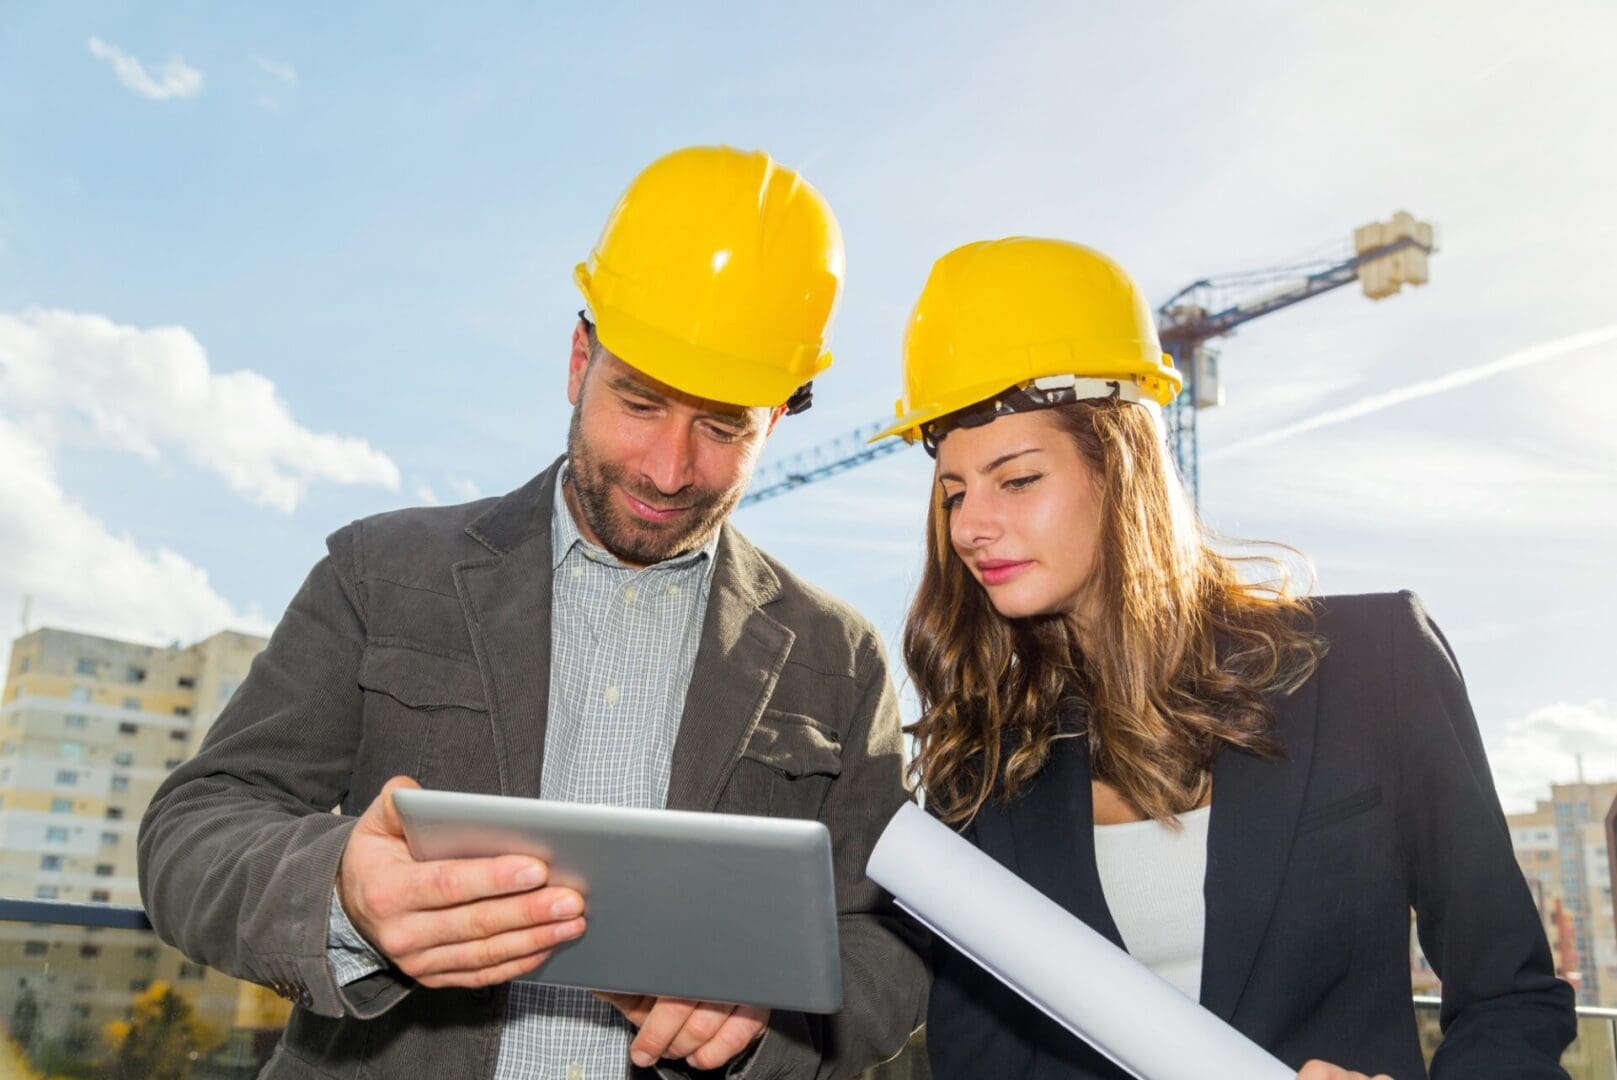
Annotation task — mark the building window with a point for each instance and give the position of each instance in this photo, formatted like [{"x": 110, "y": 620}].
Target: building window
[
  {"x": 75, "y": 721},
  {"x": 67, "y": 777},
  {"x": 27, "y": 662},
  {"x": 50, "y": 862},
  {"x": 173, "y": 763},
  {"x": 182, "y": 710},
  {"x": 61, "y": 806},
  {"x": 85, "y": 666},
  {"x": 45, "y": 892},
  {"x": 56, "y": 834},
  {"x": 100, "y": 896},
  {"x": 35, "y": 948},
  {"x": 131, "y": 702},
  {"x": 187, "y": 682},
  {"x": 137, "y": 674},
  {"x": 146, "y": 952},
  {"x": 120, "y": 783},
  {"x": 103, "y": 869},
  {"x": 109, "y": 839},
  {"x": 115, "y": 813},
  {"x": 81, "y": 1010},
  {"x": 124, "y": 757},
  {"x": 72, "y": 750},
  {"x": 126, "y": 728},
  {"x": 79, "y": 693},
  {"x": 138, "y": 986},
  {"x": 89, "y": 951},
  {"x": 191, "y": 971},
  {"x": 179, "y": 734}
]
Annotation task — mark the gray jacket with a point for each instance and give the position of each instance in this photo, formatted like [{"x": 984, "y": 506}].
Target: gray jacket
[{"x": 420, "y": 645}]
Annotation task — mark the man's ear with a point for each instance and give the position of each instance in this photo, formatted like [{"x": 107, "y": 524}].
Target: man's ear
[
  {"x": 774, "y": 418},
  {"x": 578, "y": 363}
]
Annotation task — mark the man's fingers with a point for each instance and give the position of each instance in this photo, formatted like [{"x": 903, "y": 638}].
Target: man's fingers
[
  {"x": 662, "y": 1023},
  {"x": 500, "y": 973},
  {"x": 490, "y": 952},
  {"x": 633, "y": 1006},
  {"x": 443, "y": 883},
  {"x": 388, "y": 820},
  {"x": 417, "y": 931},
  {"x": 738, "y": 1032},
  {"x": 700, "y": 1026}
]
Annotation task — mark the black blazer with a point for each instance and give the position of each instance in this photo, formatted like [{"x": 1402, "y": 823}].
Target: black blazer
[{"x": 1383, "y": 803}]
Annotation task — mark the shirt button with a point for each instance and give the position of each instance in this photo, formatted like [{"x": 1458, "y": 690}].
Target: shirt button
[
  {"x": 575, "y": 1071},
  {"x": 630, "y": 593},
  {"x": 673, "y": 590},
  {"x": 578, "y": 571},
  {"x": 612, "y": 695}
]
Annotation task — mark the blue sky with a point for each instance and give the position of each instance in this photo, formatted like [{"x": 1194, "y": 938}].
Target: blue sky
[{"x": 264, "y": 270}]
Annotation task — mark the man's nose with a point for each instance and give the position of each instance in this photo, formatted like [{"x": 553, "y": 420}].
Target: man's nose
[{"x": 669, "y": 462}]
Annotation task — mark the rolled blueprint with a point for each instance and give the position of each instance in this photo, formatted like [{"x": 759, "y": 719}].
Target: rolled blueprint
[{"x": 1031, "y": 944}]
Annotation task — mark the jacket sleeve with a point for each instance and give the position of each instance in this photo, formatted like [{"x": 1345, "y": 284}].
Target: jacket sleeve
[
  {"x": 883, "y": 970},
  {"x": 239, "y": 849},
  {"x": 1504, "y": 1013}
]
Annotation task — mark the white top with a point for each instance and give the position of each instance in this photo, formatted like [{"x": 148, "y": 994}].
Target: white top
[{"x": 1152, "y": 878}]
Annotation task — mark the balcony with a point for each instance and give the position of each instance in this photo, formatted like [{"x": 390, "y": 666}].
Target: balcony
[{"x": 87, "y": 990}]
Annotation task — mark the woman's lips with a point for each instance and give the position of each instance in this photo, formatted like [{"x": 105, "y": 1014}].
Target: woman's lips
[{"x": 999, "y": 571}]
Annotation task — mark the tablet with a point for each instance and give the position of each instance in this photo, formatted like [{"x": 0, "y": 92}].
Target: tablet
[{"x": 716, "y": 907}]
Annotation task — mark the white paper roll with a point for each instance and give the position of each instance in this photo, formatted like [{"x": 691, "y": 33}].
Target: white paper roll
[{"x": 1031, "y": 944}]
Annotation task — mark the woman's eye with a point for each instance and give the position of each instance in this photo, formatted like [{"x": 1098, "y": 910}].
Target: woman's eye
[
  {"x": 1017, "y": 483},
  {"x": 952, "y": 501}
]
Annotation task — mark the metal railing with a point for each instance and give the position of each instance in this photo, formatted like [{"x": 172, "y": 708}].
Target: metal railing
[{"x": 107, "y": 933}]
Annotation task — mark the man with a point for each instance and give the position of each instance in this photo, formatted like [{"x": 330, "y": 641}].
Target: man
[{"x": 601, "y": 634}]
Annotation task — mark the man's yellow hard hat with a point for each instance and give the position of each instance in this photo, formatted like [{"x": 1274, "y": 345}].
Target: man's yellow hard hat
[
  {"x": 1059, "y": 320},
  {"x": 718, "y": 273}
]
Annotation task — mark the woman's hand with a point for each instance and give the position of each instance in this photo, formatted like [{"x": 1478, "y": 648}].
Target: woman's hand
[{"x": 1321, "y": 1070}]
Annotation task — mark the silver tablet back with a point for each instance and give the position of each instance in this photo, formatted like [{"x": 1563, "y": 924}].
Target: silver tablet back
[{"x": 717, "y": 907}]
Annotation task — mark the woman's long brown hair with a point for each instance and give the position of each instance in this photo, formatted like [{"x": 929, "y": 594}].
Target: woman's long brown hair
[{"x": 1182, "y": 649}]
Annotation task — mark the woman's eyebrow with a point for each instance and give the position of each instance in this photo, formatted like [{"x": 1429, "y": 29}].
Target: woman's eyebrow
[{"x": 996, "y": 463}]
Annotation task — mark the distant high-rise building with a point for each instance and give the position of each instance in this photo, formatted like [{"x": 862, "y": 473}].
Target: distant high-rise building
[
  {"x": 89, "y": 727},
  {"x": 1564, "y": 850}
]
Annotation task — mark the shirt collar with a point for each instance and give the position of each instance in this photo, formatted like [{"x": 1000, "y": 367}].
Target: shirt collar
[{"x": 565, "y": 535}]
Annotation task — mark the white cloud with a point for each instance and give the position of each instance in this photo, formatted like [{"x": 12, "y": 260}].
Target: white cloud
[
  {"x": 137, "y": 390},
  {"x": 1541, "y": 748},
  {"x": 465, "y": 490},
  {"x": 81, "y": 575},
  {"x": 176, "y": 78},
  {"x": 281, "y": 70}
]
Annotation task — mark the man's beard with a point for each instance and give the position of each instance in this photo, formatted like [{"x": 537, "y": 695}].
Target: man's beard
[{"x": 630, "y": 538}]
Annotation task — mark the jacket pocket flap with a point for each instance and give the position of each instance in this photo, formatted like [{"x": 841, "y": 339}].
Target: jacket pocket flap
[
  {"x": 1340, "y": 809},
  {"x": 795, "y": 744},
  {"x": 421, "y": 680}
]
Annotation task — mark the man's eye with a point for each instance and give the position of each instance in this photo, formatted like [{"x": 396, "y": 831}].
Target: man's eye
[
  {"x": 639, "y": 408},
  {"x": 723, "y": 432}
]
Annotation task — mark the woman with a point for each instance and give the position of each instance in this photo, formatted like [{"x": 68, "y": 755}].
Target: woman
[{"x": 1246, "y": 789}]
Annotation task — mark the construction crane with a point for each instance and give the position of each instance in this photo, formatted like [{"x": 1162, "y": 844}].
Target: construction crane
[{"x": 1386, "y": 256}]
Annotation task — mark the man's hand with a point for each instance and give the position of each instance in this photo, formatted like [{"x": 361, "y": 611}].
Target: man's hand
[
  {"x": 450, "y": 922},
  {"x": 1320, "y": 1070},
  {"x": 705, "y": 1033}
]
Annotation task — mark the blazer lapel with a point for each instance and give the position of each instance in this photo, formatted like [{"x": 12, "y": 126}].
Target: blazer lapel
[
  {"x": 506, "y": 598},
  {"x": 738, "y": 662},
  {"x": 1052, "y": 833},
  {"x": 1255, "y": 807}
]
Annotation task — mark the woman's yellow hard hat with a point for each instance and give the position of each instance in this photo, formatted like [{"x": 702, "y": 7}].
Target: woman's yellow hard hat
[{"x": 1050, "y": 319}]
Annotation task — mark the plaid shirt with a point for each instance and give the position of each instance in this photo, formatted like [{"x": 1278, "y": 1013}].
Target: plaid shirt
[{"x": 622, "y": 647}]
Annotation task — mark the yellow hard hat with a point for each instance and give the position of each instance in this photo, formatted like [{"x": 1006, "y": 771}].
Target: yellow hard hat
[
  {"x": 1053, "y": 320},
  {"x": 718, "y": 273}
]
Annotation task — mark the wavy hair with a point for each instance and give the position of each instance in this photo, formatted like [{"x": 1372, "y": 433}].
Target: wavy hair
[{"x": 1183, "y": 648}]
